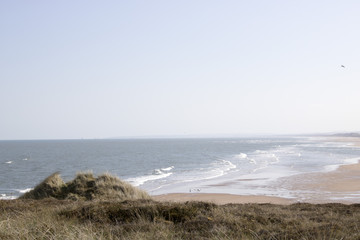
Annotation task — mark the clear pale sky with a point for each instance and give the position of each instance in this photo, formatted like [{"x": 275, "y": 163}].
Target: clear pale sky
[{"x": 98, "y": 69}]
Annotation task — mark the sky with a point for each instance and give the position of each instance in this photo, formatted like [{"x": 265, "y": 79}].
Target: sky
[{"x": 103, "y": 69}]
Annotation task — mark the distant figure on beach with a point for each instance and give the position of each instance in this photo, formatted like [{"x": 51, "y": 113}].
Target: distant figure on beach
[{"x": 195, "y": 190}]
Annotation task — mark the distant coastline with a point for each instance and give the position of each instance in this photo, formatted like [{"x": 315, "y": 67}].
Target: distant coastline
[{"x": 351, "y": 134}]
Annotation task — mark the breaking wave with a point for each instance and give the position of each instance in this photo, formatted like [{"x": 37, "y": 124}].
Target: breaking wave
[
  {"x": 242, "y": 156},
  {"x": 155, "y": 175}
]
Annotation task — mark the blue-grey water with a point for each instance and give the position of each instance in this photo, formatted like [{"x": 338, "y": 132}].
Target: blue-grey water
[{"x": 173, "y": 165}]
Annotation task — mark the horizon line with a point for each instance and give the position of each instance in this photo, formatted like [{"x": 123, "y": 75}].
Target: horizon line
[{"x": 193, "y": 136}]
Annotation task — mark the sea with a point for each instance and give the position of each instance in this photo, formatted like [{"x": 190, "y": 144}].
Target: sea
[{"x": 245, "y": 166}]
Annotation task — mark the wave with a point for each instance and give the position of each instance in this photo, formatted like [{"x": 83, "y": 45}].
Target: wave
[
  {"x": 262, "y": 159},
  {"x": 8, "y": 194},
  {"x": 156, "y": 175},
  {"x": 162, "y": 170},
  {"x": 269, "y": 157},
  {"x": 331, "y": 168},
  {"x": 157, "y": 172},
  {"x": 228, "y": 165},
  {"x": 220, "y": 168},
  {"x": 9, "y": 162},
  {"x": 352, "y": 160},
  {"x": 3, "y": 196},
  {"x": 245, "y": 156},
  {"x": 275, "y": 157},
  {"x": 259, "y": 141},
  {"x": 216, "y": 169},
  {"x": 141, "y": 180},
  {"x": 253, "y": 161},
  {"x": 167, "y": 169},
  {"x": 260, "y": 151},
  {"x": 241, "y": 156},
  {"x": 24, "y": 190},
  {"x": 262, "y": 166},
  {"x": 334, "y": 167}
]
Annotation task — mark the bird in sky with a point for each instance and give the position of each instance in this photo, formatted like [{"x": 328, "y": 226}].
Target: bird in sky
[{"x": 343, "y": 66}]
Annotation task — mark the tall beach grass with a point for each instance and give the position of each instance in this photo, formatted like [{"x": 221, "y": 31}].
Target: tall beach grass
[{"x": 105, "y": 207}]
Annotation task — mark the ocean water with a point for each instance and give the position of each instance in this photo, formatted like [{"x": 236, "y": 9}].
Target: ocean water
[{"x": 237, "y": 166}]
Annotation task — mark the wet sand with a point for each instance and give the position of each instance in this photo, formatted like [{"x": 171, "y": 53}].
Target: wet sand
[
  {"x": 345, "y": 179},
  {"x": 341, "y": 185}
]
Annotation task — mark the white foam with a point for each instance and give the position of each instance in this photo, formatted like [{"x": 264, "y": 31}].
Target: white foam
[
  {"x": 6, "y": 197},
  {"x": 229, "y": 165},
  {"x": 219, "y": 168},
  {"x": 334, "y": 167},
  {"x": 216, "y": 173},
  {"x": 141, "y": 180},
  {"x": 331, "y": 168},
  {"x": 351, "y": 160},
  {"x": 242, "y": 155},
  {"x": 167, "y": 169},
  {"x": 252, "y": 161},
  {"x": 274, "y": 157},
  {"x": 25, "y": 190},
  {"x": 263, "y": 166},
  {"x": 260, "y": 151},
  {"x": 9, "y": 162},
  {"x": 157, "y": 172},
  {"x": 264, "y": 158}
]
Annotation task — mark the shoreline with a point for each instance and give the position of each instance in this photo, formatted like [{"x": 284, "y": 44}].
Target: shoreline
[
  {"x": 340, "y": 184},
  {"x": 330, "y": 187}
]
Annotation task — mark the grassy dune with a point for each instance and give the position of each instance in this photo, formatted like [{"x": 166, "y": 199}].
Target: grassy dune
[
  {"x": 85, "y": 186},
  {"x": 146, "y": 219},
  {"x": 138, "y": 217}
]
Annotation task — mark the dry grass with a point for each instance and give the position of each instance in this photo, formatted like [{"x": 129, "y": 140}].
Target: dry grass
[
  {"x": 147, "y": 219},
  {"x": 86, "y": 186},
  {"x": 119, "y": 211},
  {"x": 50, "y": 187}
]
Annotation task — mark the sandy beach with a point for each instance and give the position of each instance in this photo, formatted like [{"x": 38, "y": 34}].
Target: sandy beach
[
  {"x": 220, "y": 198},
  {"x": 334, "y": 186},
  {"x": 341, "y": 185},
  {"x": 314, "y": 188}
]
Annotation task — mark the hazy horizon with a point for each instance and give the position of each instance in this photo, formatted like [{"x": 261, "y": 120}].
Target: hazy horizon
[
  {"x": 87, "y": 69},
  {"x": 195, "y": 136}
]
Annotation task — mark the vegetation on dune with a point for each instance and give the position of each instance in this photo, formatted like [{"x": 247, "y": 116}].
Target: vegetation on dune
[
  {"x": 121, "y": 211},
  {"x": 85, "y": 186},
  {"x": 147, "y": 219}
]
